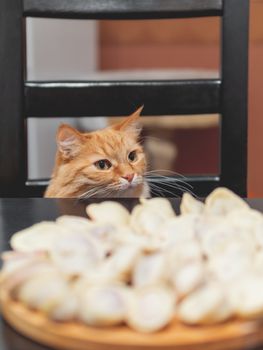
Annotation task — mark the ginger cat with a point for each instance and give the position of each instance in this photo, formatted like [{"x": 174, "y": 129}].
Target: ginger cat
[{"x": 105, "y": 163}]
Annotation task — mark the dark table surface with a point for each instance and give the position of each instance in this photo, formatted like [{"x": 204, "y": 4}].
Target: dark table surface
[{"x": 16, "y": 214}]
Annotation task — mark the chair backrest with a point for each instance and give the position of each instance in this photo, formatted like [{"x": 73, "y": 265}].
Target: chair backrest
[{"x": 21, "y": 99}]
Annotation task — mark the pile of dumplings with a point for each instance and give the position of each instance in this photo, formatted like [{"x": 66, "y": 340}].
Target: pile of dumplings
[{"x": 145, "y": 268}]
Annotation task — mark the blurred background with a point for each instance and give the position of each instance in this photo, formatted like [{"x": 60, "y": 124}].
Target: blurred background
[{"x": 163, "y": 49}]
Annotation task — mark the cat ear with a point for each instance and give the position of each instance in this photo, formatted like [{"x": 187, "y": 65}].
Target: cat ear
[
  {"x": 130, "y": 124},
  {"x": 69, "y": 141}
]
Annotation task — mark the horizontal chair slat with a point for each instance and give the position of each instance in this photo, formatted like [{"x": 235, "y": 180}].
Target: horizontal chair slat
[
  {"x": 97, "y": 98},
  {"x": 205, "y": 185},
  {"x": 122, "y": 9}
]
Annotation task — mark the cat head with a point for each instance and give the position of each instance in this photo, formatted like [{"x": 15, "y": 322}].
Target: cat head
[{"x": 102, "y": 163}]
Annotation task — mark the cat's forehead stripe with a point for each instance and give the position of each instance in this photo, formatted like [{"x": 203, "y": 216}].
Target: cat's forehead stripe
[{"x": 114, "y": 145}]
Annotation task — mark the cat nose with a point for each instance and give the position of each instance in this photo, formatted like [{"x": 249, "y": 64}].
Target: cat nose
[{"x": 128, "y": 177}]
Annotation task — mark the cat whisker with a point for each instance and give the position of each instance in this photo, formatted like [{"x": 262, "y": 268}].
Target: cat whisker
[
  {"x": 101, "y": 190},
  {"x": 111, "y": 191},
  {"x": 161, "y": 192},
  {"x": 156, "y": 191},
  {"x": 167, "y": 178},
  {"x": 171, "y": 185},
  {"x": 91, "y": 192},
  {"x": 169, "y": 182},
  {"x": 176, "y": 186},
  {"x": 166, "y": 190},
  {"x": 159, "y": 171}
]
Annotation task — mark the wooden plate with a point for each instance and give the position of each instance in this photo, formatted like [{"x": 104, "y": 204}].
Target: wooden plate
[{"x": 76, "y": 336}]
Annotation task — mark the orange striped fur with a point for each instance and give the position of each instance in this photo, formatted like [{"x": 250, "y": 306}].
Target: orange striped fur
[{"x": 77, "y": 173}]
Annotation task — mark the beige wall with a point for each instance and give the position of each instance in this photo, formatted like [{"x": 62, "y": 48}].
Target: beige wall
[{"x": 46, "y": 59}]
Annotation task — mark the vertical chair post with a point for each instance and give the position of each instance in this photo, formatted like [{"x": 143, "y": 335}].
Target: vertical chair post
[
  {"x": 234, "y": 95},
  {"x": 13, "y": 166}
]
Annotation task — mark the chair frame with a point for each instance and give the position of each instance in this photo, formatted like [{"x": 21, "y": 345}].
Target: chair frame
[{"x": 21, "y": 99}]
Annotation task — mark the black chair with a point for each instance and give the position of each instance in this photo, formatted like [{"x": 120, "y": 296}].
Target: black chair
[{"x": 21, "y": 99}]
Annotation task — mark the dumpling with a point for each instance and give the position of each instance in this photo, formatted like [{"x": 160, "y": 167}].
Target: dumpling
[
  {"x": 103, "y": 305},
  {"x": 190, "y": 205},
  {"x": 151, "y": 308},
  {"x": 37, "y": 237},
  {"x": 150, "y": 269},
  {"x": 206, "y": 305},
  {"x": 221, "y": 201},
  {"x": 109, "y": 212}
]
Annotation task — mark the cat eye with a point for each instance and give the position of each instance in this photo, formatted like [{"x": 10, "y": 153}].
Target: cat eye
[
  {"x": 132, "y": 156},
  {"x": 103, "y": 164}
]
